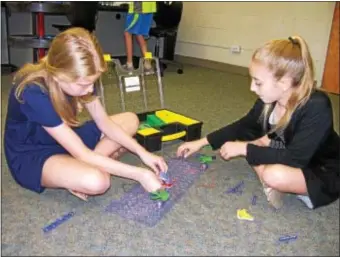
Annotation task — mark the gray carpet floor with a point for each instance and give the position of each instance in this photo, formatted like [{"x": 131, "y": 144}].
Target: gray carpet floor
[{"x": 202, "y": 223}]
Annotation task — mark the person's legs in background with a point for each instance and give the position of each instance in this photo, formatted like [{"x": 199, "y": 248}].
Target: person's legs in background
[
  {"x": 145, "y": 22},
  {"x": 138, "y": 25},
  {"x": 129, "y": 49},
  {"x": 143, "y": 47},
  {"x": 131, "y": 20}
]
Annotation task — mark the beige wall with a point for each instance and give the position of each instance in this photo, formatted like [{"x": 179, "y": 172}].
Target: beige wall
[{"x": 208, "y": 29}]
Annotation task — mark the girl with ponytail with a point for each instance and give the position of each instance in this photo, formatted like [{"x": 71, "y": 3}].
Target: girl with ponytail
[
  {"x": 288, "y": 136},
  {"x": 47, "y": 146}
]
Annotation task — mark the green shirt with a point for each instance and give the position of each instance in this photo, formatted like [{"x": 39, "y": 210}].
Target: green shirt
[{"x": 142, "y": 7}]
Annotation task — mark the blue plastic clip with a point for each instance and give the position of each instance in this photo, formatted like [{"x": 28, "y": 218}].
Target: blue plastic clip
[
  {"x": 204, "y": 166},
  {"x": 164, "y": 176},
  {"x": 253, "y": 201},
  {"x": 236, "y": 189},
  {"x": 58, "y": 222},
  {"x": 288, "y": 238}
]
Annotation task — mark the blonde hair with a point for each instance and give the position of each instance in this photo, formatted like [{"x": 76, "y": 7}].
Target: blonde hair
[
  {"x": 73, "y": 54},
  {"x": 288, "y": 57}
]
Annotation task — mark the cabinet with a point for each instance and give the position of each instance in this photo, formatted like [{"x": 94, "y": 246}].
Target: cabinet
[
  {"x": 330, "y": 80},
  {"x": 37, "y": 41}
]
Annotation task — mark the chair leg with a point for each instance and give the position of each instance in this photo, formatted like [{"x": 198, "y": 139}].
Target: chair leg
[
  {"x": 157, "y": 48},
  {"x": 174, "y": 63},
  {"x": 163, "y": 62}
]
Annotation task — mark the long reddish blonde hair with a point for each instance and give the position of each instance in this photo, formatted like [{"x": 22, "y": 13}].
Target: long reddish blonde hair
[
  {"x": 73, "y": 54},
  {"x": 288, "y": 57}
]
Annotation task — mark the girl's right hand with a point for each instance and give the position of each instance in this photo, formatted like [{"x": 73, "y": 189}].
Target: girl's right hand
[
  {"x": 188, "y": 148},
  {"x": 149, "y": 180}
]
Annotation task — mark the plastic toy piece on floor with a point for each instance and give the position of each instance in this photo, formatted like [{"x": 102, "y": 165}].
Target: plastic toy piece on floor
[
  {"x": 161, "y": 195},
  {"x": 287, "y": 238},
  {"x": 167, "y": 184},
  {"x": 58, "y": 222},
  {"x": 164, "y": 176},
  {"x": 236, "y": 189},
  {"x": 204, "y": 166},
  {"x": 206, "y": 158},
  {"x": 242, "y": 214},
  {"x": 253, "y": 201}
]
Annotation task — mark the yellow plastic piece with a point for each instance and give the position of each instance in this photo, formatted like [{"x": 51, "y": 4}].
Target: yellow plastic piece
[
  {"x": 107, "y": 57},
  {"x": 242, "y": 214},
  {"x": 148, "y": 55},
  {"x": 148, "y": 131},
  {"x": 170, "y": 117},
  {"x": 174, "y": 136}
]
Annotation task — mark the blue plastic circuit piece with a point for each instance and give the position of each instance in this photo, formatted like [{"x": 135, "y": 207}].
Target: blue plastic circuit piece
[{"x": 58, "y": 222}]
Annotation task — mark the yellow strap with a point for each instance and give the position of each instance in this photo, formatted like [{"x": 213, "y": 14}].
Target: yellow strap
[
  {"x": 148, "y": 131},
  {"x": 169, "y": 117},
  {"x": 148, "y": 55},
  {"x": 174, "y": 136}
]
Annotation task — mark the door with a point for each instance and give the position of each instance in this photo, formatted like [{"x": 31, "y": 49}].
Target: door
[{"x": 330, "y": 80}]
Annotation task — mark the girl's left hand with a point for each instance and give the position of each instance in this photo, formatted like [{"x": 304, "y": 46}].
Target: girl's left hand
[
  {"x": 233, "y": 149},
  {"x": 155, "y": 162}
]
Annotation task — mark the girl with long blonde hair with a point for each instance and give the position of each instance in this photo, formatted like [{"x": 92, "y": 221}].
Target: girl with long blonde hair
[
  {"x": 45, "y": 144},
  {"x": 288, "y": 136}
]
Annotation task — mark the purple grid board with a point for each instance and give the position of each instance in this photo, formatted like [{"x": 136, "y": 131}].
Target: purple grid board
[{"x": 136, "y": 203}]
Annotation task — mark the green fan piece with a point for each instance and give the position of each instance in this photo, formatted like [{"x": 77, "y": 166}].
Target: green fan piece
[{"x": 161, "y": 195}]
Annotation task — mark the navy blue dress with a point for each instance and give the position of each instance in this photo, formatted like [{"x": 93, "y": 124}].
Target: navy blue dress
[{"x": 27, "y": 145}]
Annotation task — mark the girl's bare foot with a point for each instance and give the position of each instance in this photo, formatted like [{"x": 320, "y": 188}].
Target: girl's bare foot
[
  {"x": 274, "y": 197},
  {"x": 82, "y": 196}
]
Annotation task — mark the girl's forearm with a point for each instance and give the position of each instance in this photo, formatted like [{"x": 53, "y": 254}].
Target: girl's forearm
[
  {"x": 111, "y": 166},
  {"x": 117, "y": 134},
  {"x": 203, "y": 141}
]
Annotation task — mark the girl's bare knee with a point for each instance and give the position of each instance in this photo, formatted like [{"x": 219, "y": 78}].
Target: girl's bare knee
[
  {"x": 273, "y": 176},
  {"x": 128, "y": 121},
  {"x": 133, "y": 122},
  {"x": 97, "y": 182}
]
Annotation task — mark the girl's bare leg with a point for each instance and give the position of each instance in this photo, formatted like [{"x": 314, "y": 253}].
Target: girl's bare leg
[
  {"x": 81, "y": 179},
  {"x": 278, "y": 179}
]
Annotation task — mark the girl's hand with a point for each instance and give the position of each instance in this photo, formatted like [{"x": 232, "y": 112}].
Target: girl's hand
[
  {"x": 155, "y": 162},
  {"x": 149, "y": 180},
  {"x": 188, "y": 148},
  {"x": 233, "y": 149}
]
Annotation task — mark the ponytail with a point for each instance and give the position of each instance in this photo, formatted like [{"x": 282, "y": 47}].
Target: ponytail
[
  {"x": 303, "y": 87},
  {"x": 288, "y": 57}
]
